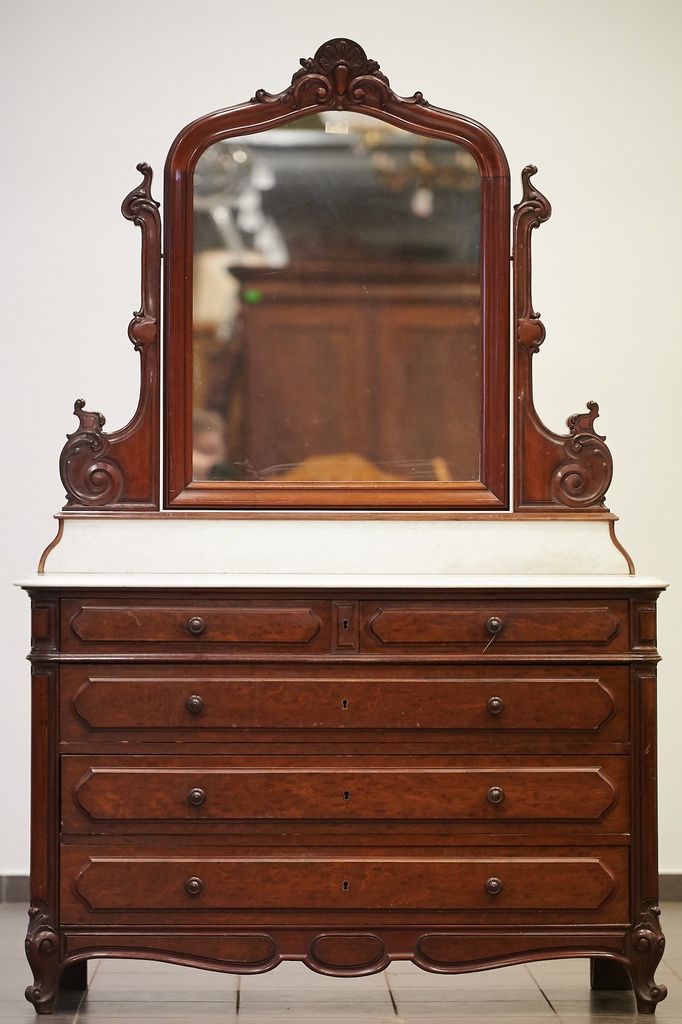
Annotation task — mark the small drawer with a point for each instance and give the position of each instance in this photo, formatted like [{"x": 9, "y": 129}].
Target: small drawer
[
  {"x": 588, "y": 884},
  {"x": 232, "y": 624},
  {"x": 99, "y": 791},
  {"x": 495, "y": 626}
]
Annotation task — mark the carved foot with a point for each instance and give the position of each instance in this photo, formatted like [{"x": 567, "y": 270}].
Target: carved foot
[
  {"x": 42, "y": 951},
  {"x": 646, "y": 949}
]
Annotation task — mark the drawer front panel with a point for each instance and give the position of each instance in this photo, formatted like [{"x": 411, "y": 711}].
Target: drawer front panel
[
  {"x": 588, "y": 625},
  {"x": 591, "y": 700},
  {"x": 244, "y": 625},
  {"x": 592, "y": 884},
  {"x": 106, "y": 790}
]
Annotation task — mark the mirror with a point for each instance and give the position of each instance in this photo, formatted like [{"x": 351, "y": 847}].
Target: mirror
[
  {"x": 336, "y": 305},
  {"x": 337, "y": 282}
]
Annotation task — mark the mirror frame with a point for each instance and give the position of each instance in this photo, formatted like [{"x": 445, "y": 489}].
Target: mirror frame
[{"x": 338, "y": 77}]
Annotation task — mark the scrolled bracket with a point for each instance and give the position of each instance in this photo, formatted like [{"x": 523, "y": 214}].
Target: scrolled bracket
[
  {"x": 583, "y": 477},
  {"x": 89, "y": 476},
  {"x": 139, "y": 207},
  {"x": 558, "y": 471},
  {"x": 340, "y": 75},
  {"x": 119, "y": 471}
]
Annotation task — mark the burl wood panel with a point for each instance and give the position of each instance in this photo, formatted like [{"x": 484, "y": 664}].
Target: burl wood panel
[
  {"x": 591, "y": 885},
  {"x": 584, "y": 702},
  {"x": 558, "y": 624},
  {"x": 147, "y": 789},
  {"x": 255, "y": 624}
]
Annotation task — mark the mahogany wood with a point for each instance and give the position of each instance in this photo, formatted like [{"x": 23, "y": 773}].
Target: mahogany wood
[{"x": 437, "y": 797}]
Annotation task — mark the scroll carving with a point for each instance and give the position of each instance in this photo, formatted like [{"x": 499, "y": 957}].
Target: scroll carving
[
  {"x": 647, "y": 945},
  {"x": 563, "y": 472},
  {"x": 339, "y": 74},
  {"x": 119, "y": 471},
  {"x": 88, "y": 474}
]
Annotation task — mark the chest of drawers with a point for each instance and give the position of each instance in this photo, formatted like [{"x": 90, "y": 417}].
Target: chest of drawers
[{"x": 231, "y": 778}]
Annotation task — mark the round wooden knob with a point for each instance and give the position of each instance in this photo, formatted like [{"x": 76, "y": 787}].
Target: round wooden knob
[
  {"x": 196, "y": 797},
  {"x": 196, "y": 625},
  {"x": 493, "y": 886},
  {"x": 495, "y": 705},
  {"x": 194, "y": 886},
  {"x": 494, "y": 625},
  {"x": 495, "y": 795},
  {"x": 194, "y": 704}
]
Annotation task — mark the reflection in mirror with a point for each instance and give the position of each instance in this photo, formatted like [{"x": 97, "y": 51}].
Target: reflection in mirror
[{"x": 337, "y": 305}]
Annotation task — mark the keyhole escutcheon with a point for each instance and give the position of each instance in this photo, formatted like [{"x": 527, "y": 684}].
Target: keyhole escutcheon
[{"x": 345, "y": 626}]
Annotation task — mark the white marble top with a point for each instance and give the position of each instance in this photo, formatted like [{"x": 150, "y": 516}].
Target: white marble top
[{"x": 337, "y": 581}]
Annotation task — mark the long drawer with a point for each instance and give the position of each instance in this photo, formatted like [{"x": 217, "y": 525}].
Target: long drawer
[
  {"x": 101, "y": 791},
  {"x": 196, "y": 703},
  {"x": 590, "y": 884}
]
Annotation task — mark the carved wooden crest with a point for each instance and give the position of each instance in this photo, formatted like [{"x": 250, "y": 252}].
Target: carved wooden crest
[{"x": 340, "y": 74}]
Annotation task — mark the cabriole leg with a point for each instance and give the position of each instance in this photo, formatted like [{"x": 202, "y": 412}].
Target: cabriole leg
[
  {"x": 646, "y": 949},
  {"x": 42, "y": 952}
]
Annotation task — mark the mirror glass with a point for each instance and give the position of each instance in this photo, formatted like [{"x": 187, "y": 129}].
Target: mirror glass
[{"x": 337, "y": 305}]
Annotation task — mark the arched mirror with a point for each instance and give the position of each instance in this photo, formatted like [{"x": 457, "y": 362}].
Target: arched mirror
[{"x": 337, "y": 331}]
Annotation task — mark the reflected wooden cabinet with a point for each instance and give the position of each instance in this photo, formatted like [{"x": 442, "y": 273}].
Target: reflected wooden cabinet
[
  {"x": 369, "y": 348},
  {"x": 366, "y": 697}
]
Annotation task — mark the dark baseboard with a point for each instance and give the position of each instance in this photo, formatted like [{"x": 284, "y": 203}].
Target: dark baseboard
[
  {"x": 670, "y": 888},
  {"x": 16, "y": 889}
]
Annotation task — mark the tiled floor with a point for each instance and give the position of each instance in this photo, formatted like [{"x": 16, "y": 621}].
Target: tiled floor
[{"x": 133, "y": 992}]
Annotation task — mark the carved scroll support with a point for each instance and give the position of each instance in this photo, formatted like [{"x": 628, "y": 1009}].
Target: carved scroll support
[
  {"x": 554, "y": 472},
  {"x": 120, "y": 471}
]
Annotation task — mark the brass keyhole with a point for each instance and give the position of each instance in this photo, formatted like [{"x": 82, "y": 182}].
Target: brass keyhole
[
  {"x": 344, "y": 886},
  {"x": 345, "y": 623},
  {"x": 344, "y": 704},
  {"x": 346, "y": 794}
]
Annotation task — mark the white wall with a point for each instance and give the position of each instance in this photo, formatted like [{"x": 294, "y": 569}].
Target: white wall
[{"x": 589, "y": 90}]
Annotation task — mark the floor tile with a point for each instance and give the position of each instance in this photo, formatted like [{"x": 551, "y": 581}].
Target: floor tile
[
  {"x": 155, "y": 1009},
  {"x": 486, "y": 1009},
  {"x": 508, "y": 982}
]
